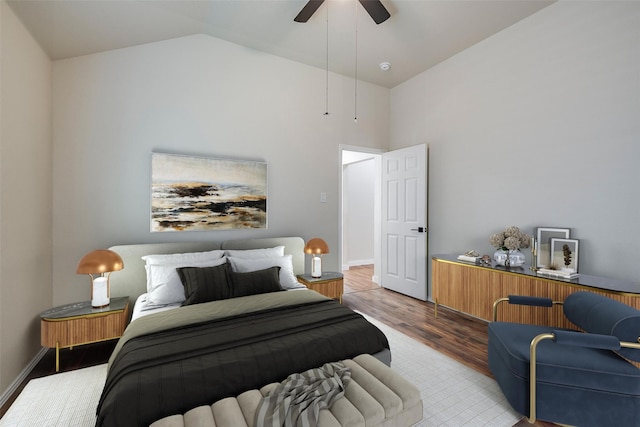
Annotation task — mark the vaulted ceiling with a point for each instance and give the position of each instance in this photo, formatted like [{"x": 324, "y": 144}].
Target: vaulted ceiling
[{"x": 419, "y": 34}]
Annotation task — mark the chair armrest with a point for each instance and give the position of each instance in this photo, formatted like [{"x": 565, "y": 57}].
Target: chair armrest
[
  {"x": 532, "y": 301},
  {"x": 524, "y": 300},
  {"x": 581, "y": 339}
]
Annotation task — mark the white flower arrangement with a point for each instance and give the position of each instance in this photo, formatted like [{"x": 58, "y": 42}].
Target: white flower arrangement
[{"x": 510, "y": 239}]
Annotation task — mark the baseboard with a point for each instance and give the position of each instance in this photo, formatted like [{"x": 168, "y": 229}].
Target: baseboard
[
  {"x": 23, "y": 375},
  {"x": 355, "y": 263}
]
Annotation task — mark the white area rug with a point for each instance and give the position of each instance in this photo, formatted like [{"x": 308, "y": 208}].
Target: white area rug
[
  {"x": 65, "y": 399},
  {"x": 453, "y": 395}
]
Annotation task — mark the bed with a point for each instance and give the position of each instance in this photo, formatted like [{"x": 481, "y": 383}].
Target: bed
[{"x": 173, "y": 358}]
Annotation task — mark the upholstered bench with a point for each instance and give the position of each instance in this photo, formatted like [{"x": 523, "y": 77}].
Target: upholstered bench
[{"x": 375, "y": 396}]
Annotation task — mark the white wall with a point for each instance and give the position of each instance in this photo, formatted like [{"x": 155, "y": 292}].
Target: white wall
[
  {"x": 201, "y": 96},
  {"x": 358, "y": 207},
  {"x": 536, "y": 126},
  {"x": 25, "y": 195}
]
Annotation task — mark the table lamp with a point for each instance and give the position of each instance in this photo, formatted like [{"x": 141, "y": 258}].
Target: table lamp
[
  {"x": 98, "y": 263},
  {"x": 316, "y": 247}
]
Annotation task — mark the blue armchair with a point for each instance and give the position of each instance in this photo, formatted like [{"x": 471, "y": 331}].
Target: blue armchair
[{"x": 569, "y": 376}]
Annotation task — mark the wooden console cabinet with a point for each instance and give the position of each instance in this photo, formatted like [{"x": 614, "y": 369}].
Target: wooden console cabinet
[{"x": 472, "y": 289}]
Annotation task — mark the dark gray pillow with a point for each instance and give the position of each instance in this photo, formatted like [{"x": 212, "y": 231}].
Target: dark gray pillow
[
  {"x": 204, "y": 284},
  {"x": 255, "y": 282}
]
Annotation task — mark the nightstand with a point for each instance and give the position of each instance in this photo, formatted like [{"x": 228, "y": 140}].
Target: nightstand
[
  {"x": 330, "y": 284},
  {"x": 76, "y": 324}
]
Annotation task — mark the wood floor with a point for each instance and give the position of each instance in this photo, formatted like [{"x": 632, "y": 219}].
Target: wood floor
[{"x": 460, "y": 337}]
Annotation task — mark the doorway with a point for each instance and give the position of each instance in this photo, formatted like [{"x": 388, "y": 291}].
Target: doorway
[
  {"x": 383, "y": 216},
  {"x": 360, "y": 208}
]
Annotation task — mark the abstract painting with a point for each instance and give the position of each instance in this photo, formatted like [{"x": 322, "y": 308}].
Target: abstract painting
[{"x": 202, "y": 194}]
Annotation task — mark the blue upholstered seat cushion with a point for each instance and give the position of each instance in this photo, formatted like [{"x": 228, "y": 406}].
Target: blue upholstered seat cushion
[
  {"x": 598, "y": 314},
  {"x": 560, "y": 364}
]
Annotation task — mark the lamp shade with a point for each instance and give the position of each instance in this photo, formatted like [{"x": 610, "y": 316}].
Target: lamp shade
[
  {"x": 316, "y": 246},
  {"x": 100, "y": 261}
]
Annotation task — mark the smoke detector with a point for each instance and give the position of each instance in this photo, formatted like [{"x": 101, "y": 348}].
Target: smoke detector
[{"x": 385, "y": 66}]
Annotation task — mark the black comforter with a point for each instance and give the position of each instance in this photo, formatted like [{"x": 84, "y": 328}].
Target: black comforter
[{"x": 171, "y": 371}]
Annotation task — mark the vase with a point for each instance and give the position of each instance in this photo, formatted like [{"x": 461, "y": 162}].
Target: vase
[{"x": 511, "y": 258}]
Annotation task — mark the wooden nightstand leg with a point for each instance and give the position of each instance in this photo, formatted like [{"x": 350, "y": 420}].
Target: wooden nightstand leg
[{"x": 57, "y": 356}]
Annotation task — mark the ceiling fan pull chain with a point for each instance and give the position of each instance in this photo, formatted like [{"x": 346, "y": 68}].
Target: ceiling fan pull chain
[
  {"x": 355, "y": 101},
  {"x": 326, "y": 112}
]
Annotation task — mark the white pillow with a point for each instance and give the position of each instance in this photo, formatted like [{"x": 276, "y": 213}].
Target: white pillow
[
  {"x": 166, "y": 287},
  {"x": 256, "y": 253},
  {"x": 180, "y": 258},
  {"x": 189, "y": 259},
  {"x": 287, "y": 278}
]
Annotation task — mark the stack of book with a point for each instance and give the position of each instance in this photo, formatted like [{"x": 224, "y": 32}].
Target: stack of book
[
  {"x": 557, "y": 273},
  {"x": 471, "y": 256}
]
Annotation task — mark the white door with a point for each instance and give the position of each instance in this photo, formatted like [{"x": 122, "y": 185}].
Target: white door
[{"x": 404, "y": 221}]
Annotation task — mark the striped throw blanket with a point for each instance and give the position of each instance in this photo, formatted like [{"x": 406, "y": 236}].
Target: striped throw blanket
[{"x": 297, "y": 401}]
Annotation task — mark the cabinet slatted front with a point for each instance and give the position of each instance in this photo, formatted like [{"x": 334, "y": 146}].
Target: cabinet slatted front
[
  {"x": 472, "y": 289},
  {"x": 76, "y": 324},
  {"x": 83, "y": 330}
]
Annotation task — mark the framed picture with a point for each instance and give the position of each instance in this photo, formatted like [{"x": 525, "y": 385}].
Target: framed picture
[
  {"x": 543, "y": 237},
  {"x": 201, "y": 194},
  {"x": 564, "y": 255}
]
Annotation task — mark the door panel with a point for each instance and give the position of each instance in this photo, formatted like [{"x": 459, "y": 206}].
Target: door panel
[
  {"x": 392, "y": 206},
  {"x": 411, "y": 207},
  {"x": 410, "y": 260},
  {"x": 404, "y": 221},
  {"x": 392, "y": 259}
]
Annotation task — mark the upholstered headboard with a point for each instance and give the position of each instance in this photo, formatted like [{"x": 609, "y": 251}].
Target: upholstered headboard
[{"x": 132, "y": 280}]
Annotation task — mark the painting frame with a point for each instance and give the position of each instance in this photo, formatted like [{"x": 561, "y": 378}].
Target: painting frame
[
  {"x": 543, "y": 239},
  {"x": 197, "y": 193},
  {"x": 565, "y": 251}
]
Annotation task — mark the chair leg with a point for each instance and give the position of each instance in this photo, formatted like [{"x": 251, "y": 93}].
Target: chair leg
[{"x": 532, "y": 374}]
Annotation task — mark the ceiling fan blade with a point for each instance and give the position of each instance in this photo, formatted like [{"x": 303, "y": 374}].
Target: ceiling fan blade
[
  {"x": 376, "y": 9},
  {"x": 308, "y": 10}
]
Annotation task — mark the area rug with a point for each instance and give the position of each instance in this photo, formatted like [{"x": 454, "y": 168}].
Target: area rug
[
  {"x": 64, "y": 399},
  {"x": 453, "y": 394}
]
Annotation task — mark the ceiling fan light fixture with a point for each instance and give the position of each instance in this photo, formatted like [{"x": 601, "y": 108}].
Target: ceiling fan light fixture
[
  {"x": 385, "y": 66},
  {"x": 375, "y": 8}
]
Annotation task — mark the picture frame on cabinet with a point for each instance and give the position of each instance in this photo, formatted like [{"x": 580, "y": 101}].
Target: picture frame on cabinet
[
  {"x": 543, "y": 237},
  {"x": 564, "y": 255}
]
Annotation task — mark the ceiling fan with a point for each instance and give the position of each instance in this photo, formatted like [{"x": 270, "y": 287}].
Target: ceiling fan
[{"x": 374, "y": 7}]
